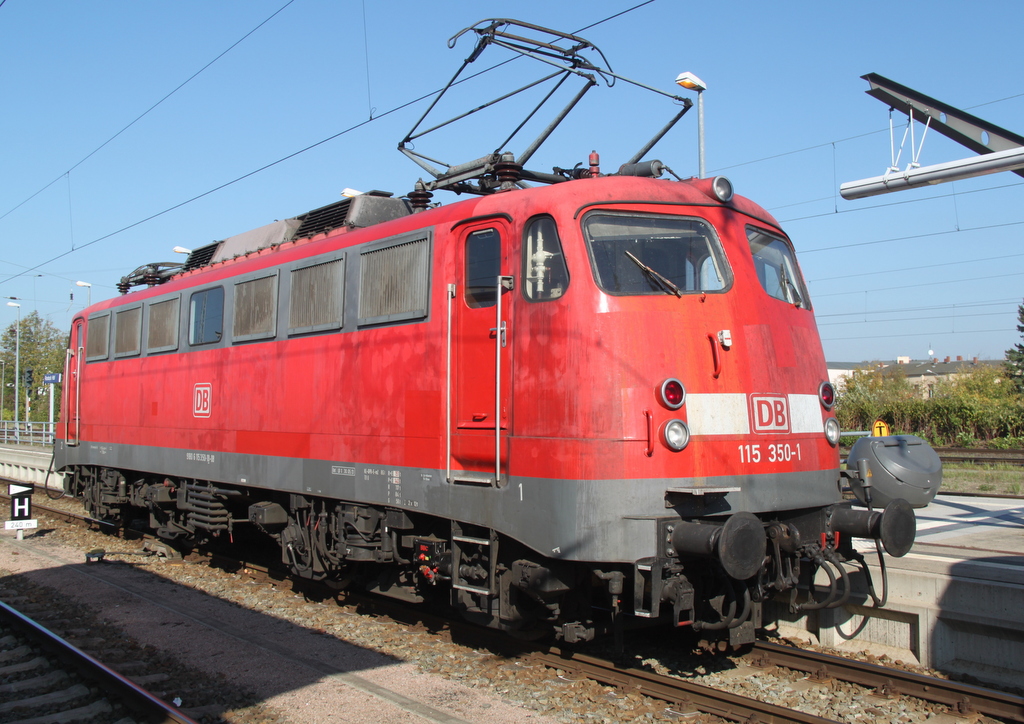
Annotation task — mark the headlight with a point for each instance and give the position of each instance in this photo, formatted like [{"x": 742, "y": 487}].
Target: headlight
[
  {"x": 832, "y": 431},
  {"x": 722, "y": 188},
  {"x": 675, "y": 434}
]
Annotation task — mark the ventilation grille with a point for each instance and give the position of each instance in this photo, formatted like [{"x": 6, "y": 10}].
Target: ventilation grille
[
  {"x": 317, "y": 297},
  {"x": 99, "y": 336},
  {"x": 201, "y": 257},
  {"x": 394, "y": 282},
  {"x": 323, "y": 219},
  {"x": 255, "y": 304},
  {"x": 128, "y": 332},
  {"x": 163, "y": 325}
]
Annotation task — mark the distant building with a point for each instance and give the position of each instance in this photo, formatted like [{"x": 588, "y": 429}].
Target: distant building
[{"x": 922, "y": 374}]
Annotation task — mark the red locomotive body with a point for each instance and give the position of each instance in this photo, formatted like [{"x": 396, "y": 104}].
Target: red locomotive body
[
  {"x": 646, "y": 348},
  {"x": 559, "y": 406}
]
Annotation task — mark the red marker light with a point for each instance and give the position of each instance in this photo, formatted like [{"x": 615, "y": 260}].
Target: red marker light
[
  {"x": 673, "y": 394},
  {"x": 827, "y": 393}
]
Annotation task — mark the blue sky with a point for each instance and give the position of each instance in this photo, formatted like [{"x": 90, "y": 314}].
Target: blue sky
[{"x": 787, "y": 120}]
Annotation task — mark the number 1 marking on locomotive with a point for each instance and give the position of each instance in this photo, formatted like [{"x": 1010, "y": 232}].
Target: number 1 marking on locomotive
[{"x": 520, "y": 492}]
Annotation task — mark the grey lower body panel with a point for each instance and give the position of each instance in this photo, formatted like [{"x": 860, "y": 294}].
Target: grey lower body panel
[{"x": 581, "y": 520}]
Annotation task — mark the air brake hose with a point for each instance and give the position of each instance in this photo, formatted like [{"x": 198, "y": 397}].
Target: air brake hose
[
  {"x": 832, "y": 592},
  {"x": 727, "y": 618},
  {"x": 46, "y": 480},
  {"x": 864, "y": 472}
]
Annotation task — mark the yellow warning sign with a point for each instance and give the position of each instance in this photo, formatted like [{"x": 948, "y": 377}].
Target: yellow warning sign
[{"x": 880, "y": 429}]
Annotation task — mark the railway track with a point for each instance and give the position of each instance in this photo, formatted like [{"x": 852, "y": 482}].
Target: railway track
[
  {"x": 964, "y": 700},
  {"x": 683, "y": 696},
  {"x": 981, "y": 456},
  {"x": 49, "y": 680}
]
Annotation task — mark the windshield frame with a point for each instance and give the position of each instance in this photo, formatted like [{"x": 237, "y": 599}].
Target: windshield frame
[{"x": 716, "y": 256}]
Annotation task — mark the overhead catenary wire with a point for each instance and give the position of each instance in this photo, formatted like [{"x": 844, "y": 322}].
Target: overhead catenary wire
[
  {"x": 313, "y": 146},
  {"x": 907, "y": 319},
  {"x": 845, "y": 338},
  {"x": 804, "y": 252},
  {"x": 902, "y": 202},
  {"x": 272, "y": 163},
  {"x": 147, "y": 111},
  {"x": 957, "y": 305},
  {"x": 922, "y": 284},
  {"x": 919, "y": 267}
]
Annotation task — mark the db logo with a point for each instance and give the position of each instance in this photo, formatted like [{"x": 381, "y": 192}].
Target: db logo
[
  {"x": 769, "y": 413},
  {"x": 202, "y": 396}
]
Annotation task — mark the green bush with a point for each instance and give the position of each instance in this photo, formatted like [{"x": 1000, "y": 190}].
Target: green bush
[{"x": 977, "y": 406}]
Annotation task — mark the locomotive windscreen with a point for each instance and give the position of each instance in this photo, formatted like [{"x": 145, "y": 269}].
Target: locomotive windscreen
[{"x": 684, "y": 251}]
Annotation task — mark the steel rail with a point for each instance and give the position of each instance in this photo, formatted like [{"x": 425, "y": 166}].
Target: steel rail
[
  {"x": 963, "y": 699},
  {"x": 689, "y": 697},
  {"x": 121, "y": 688},
  {"x": 980, "y": 455}
]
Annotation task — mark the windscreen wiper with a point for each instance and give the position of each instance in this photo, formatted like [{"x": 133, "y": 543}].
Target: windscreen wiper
[
  {"x": 669, "y": 286},
  {"x": 788, "y": 283}
]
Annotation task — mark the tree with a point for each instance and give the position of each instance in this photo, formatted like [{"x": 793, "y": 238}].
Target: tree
[
  {"x": 872, "y": 393},
  {"x": 1015, "y": 356},
  {"x": 42, "y": 348},
  {"x": 979, "y": 382}
]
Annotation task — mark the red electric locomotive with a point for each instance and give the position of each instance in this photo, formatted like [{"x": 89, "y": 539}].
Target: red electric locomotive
[{"x": 560, "y": 406}]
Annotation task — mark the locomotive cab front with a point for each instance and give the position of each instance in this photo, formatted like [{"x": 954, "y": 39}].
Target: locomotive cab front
[{"x": 705, "y": 450}]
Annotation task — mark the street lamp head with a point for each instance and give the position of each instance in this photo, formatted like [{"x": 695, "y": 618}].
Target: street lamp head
[
  {"x": 181, "y": 250},
  {"x": 691, "y": 82},
  {"x": 83, "y": 284},
  {"x": 13, "y": 304}
]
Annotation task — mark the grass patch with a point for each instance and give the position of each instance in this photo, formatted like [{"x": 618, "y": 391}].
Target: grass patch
[{"x": 998, "y": 478}]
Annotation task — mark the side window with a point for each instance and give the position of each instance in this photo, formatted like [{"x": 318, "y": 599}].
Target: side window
[
  {"x": 483, "y": 266},
  {"x": 98, "y": 342},
  {"x": 545, "y": 275},
  {"x": 206, "y": 316},
  {"x": 255, "y": 310},
  {"x": 128, "y": 332},
  {"x": 163, "y": 326},
  {"x": 776, "y": 268}
]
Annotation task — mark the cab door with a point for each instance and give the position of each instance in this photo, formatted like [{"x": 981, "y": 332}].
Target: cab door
[
  {"x": 482, "y": 353},
  {"x": 72, "y": 388}
]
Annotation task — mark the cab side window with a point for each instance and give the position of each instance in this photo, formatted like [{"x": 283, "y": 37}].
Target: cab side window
[
  {"x": 206, "y": 316},
  {"x": 777, "y": 269},
  {"x": 483, "y": 266},
  {"x": 545, "y": 275}
]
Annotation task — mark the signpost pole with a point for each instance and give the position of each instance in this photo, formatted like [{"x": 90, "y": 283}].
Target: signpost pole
[{"x": 51, "y": 379}]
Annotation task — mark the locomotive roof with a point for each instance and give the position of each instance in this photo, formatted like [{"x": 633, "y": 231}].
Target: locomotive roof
[{"x": 378, "y": 208}]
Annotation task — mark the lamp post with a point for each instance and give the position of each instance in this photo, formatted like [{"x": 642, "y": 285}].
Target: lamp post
[
  {"x": 17, "y": 366},
  {"x": 88, "y": 286},
  {"x": 691, "y": 82},
  {"x": 3, "y": 390}
]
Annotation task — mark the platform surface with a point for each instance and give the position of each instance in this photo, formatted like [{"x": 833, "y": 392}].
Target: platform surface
[{"x": 988, "y": 532}]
